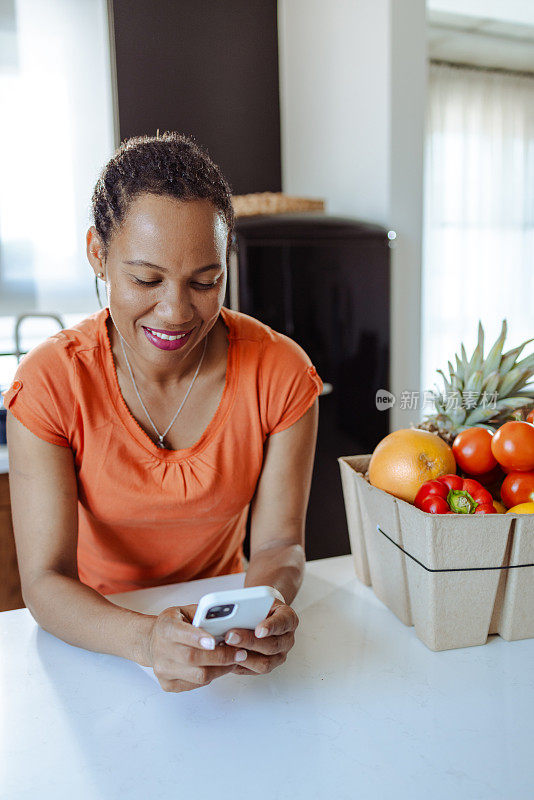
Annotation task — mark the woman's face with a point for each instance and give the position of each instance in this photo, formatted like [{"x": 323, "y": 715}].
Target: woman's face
[{"x": 166, "y": 270}]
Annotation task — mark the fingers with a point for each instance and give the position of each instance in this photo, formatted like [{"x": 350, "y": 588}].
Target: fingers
[
  {"x": 181, "y": 631},
  {"x": 188, "y": 611},
  {"x": 268, "y": 646},
  {"x": 188, "y": 655},
  {"x": 282, "y": 621},
  {"x": 171, "y": 684},
  {"x": 259, "y": 665},
  {"x": 243, "y": 671},
  {"x": 195, "y": 663},
  {"x": 262, "y": 666},
  {"x": 179, "y": 654},
  {"x": 195, "y": 666},
  {"x": 265, "y": 653}
]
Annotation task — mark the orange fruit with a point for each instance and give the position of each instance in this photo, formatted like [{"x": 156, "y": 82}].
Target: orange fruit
[
  {"x": 522, "y": 508},
  {"x": 407, "y": 458}
]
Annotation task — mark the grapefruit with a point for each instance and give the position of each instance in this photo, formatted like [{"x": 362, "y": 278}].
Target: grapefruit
[{"x": 406, "y": 458}]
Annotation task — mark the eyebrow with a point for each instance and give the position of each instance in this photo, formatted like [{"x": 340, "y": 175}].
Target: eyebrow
[{"x": 141, "y": 263}]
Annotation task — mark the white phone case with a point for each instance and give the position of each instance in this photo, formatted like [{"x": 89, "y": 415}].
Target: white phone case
[{"x": 240, "y": 608}]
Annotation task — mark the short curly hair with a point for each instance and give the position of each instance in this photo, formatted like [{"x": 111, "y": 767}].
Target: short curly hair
[{"x": 166, "y": 164}]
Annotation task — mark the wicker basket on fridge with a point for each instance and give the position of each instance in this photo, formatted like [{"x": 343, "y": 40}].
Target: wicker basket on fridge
[{"x": 248, "y": 205}]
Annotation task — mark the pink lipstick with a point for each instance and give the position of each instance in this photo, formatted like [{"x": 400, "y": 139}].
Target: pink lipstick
[{"x": 166, "y": 344}]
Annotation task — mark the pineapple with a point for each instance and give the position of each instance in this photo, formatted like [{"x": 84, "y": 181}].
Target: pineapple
[{"x": 482, "y": 392}]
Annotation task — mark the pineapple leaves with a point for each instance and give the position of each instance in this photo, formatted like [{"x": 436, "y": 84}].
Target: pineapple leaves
[
  {"x": 491, "y": 383},
  {"x": 459, "y": 368},
  {"x": 508, "y": 359},
  {"x": 479, "y": 414},
  {"x": 448, "y": 386},
  {"x": 476, "y": 359},
  {"x": 465, "y": 362},
  {"x": 457, "y": 416},
  {"x": 527, "y": 363},
  {"x": 514, "y": 380},
  {"x": 481, "y": 338},
  {"x": 483, "y": 392},
  {"x": 493, "y": 359},
  {"x": 473, "y": 387},
  {"x": 510, "y": 403}
]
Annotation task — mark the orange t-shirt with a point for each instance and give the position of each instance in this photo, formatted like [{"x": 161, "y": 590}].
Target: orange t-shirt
[{"x": 149, "y": 516}]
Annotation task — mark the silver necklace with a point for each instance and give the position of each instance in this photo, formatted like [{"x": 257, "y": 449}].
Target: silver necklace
[{"x": 162, "y": 435}]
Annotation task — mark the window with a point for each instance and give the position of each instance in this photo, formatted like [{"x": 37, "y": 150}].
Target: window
[
  {"x": 56, "y": 133},
  {"x": 478, "y": 254}
]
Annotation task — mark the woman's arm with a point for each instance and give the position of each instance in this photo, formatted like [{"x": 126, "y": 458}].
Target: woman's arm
[
  {"x": 278, "y": 509},
  {"x": 277, "y": 531},
  {"x": 44, "y": 506}
]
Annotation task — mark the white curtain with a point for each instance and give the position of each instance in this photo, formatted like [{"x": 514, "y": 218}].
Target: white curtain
[
  {"x": 56, "y": 132},
  {"x": 478, "y": 252}
]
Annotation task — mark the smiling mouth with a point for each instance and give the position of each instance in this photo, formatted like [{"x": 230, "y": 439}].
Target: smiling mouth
[{"x": 170, "y": 337}]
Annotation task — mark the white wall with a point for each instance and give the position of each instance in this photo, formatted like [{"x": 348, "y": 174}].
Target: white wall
[
  {"x": 352, "y": 97},
  {"x": 334, "y": 127}
]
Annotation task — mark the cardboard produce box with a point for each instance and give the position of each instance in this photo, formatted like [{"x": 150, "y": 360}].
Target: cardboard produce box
[{"x": 455, "y": 578}]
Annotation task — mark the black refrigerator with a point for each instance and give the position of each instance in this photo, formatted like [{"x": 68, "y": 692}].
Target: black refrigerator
[{"x": 325, "y": 282}]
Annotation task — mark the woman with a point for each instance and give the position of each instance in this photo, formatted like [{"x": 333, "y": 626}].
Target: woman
[{"x": 139, "y": 437}]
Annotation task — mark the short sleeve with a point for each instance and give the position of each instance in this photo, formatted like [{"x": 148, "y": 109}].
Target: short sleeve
[
  {"x": 41, "y": 393},
  {"x": 290, "y": 383}
]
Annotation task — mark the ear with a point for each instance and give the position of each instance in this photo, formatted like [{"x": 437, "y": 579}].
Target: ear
[{"x": 95, "y": 250}]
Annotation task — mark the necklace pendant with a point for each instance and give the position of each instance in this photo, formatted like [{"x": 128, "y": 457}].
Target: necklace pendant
[{"x": 160, "y": 444}]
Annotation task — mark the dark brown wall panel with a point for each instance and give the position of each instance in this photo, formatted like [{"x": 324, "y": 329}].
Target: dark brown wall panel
[{"x": 208, "y": 69}]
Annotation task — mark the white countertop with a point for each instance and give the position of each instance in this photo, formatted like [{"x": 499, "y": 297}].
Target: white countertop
[{"x": 361, "y": 709}]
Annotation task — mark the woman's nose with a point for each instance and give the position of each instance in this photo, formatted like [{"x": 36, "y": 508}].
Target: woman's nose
[{"x": 176, "y": 306}]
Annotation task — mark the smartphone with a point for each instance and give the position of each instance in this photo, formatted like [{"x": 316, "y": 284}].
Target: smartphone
[{"x": 218, "y": 612}]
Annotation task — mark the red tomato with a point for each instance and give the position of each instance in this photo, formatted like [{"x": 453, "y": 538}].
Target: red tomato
[
  {"x": 517, "y": 487},
  {"x": 530, "y": 416},
  {"x": 513, "y": 446},
  {"x": 472, "y": 450},
  {"x": 495, "y": 475}
]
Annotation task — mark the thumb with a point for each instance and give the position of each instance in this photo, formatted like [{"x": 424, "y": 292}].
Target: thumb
[
  {"x": 189, "y": 634},
  {"x": 187, "y": 613}
]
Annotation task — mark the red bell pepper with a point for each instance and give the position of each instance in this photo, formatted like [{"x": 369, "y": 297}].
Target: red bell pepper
[{"x": 452, "y": 494}]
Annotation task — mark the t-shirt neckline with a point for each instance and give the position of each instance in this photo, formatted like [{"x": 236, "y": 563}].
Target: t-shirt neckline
[{"x": 129, "y": 421}]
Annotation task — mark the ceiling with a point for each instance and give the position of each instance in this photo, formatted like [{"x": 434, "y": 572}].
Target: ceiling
[{"x": 481, "y": 41}]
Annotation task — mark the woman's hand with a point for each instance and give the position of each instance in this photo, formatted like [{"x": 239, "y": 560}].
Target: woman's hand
[
  {"x": 179, "y": 660},
  {"x": 266, "y": 652}
]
